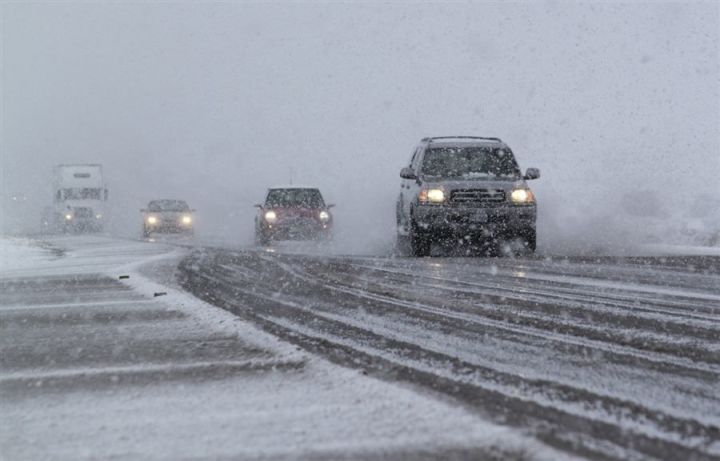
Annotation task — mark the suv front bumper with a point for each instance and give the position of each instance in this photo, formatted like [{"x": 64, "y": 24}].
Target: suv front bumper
[
  {"x": 454, "y": 221},
  {"x": 296, "y": 230}
]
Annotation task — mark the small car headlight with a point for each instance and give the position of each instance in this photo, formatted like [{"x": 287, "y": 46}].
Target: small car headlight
[
  {"x": 270, "y": 216},
  {"x": 98, "y": 216},
  {"x": 187, "y": 219},
  {"x": 68, "y": 217},
  {"x": 522, "y": 196},
  {"x": 324, "y": 215},
  {"x": 431, "y": 196},
  {"x": 152, "y": 220}
]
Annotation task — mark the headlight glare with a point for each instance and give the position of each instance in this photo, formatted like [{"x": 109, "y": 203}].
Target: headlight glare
[
  {"x": 431, "y": 196},
  {"x": 152, "y": 220},
  {"x": 68, "y": 217},
  {"x": 187, "y": 219},
  {"x": 324, "y": 215},
  {"x": 270, "y": 216},
  {"x": 522, "y": 196}
]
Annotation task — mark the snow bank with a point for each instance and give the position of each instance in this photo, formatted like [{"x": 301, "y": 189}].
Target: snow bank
[{"x": 16, "y": 253}]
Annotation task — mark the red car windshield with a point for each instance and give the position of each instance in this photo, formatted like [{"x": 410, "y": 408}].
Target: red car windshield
[{"x": 294, "y": 198}]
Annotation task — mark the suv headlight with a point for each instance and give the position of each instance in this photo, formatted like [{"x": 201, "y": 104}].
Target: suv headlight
[
  {"x": 187, "y": 219},
  {"x": 431, "y": 196},
  {"x": 324, "y": 216},
  {"x": 152, "y": 220},
  {"x": 270, "y": 216},
  {"x": 522, "y": 196}
]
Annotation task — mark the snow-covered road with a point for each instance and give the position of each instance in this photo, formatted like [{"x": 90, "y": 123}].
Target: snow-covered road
[
  {"x": 102, "y": 356},
  {"x": 607, "y": 357}
]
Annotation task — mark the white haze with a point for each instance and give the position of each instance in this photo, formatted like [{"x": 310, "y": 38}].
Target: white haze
[{"x": 214, "y": 102}]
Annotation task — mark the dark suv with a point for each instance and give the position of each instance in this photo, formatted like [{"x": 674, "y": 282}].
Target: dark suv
[{"x": 465, "y": 188}]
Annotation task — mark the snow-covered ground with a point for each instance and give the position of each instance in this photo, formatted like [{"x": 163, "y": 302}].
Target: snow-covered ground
[
  {"x": 615, "y": 355},
  {"x": 93, "y": 367},
  {"x": 683, "y": 250},
  {"x": 17, "y": 254}
]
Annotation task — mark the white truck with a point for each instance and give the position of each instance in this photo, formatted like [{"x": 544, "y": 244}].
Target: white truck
[{"x": 79, "y": 199}]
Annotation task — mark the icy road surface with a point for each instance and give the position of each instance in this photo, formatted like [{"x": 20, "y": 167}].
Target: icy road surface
[
  {"x": 97, "y": 367},
  {"x": 606, "y": 358}
]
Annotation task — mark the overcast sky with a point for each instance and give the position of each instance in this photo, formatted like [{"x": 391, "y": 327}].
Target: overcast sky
[{"x": 213, "y": 102}]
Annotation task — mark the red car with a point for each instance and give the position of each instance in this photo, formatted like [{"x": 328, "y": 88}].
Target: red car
[{"x": 293, "y": 213}]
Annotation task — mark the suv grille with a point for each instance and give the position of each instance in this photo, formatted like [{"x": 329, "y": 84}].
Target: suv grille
[{"x": 477, "y": 195}]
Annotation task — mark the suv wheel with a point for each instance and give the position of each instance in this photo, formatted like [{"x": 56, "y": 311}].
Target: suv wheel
[
  {"x": 530, "y": 237},
  {"x": 261, "y": 239},
  {"x": 402, "y": 244},
  {"x": 521, "y": 244},
  {"x": 419, "y": 244}
]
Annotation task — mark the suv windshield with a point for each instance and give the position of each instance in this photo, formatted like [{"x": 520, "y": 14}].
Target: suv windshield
[
  {"x": 305, "y": 198},
  {"x": 474, "y": 162},
  {"x": 168, "y": 205}
]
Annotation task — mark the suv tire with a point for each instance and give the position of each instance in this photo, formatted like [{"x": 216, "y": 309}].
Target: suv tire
[
  {"x": 419, "y": 244},
  {"x": 402, "y": 245},
  {"x": 261, "y": 239},
  {"x": 530, "y": 237}
]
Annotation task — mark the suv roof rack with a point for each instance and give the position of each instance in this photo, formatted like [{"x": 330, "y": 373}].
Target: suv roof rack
[{"x": 459, "y": 137}]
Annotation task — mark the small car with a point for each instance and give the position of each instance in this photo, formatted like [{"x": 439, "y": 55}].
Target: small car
[
  {"x": 168, "y": 216},
  {"x": 465, "y": 188},
  {"x": 293, "y": 213}
]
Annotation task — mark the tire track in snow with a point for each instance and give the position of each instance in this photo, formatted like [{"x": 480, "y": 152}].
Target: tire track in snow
[{"x": 301, "y": 314}]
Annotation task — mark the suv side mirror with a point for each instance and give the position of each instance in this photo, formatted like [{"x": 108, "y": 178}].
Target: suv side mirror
[
  {"x": 143, "y": 210},
  {"x": 408, "y": 173},
  {"x": 329, "y": 205},
  {"x": 258, "y": 205},
  {"x": 532, "y": 173}
]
